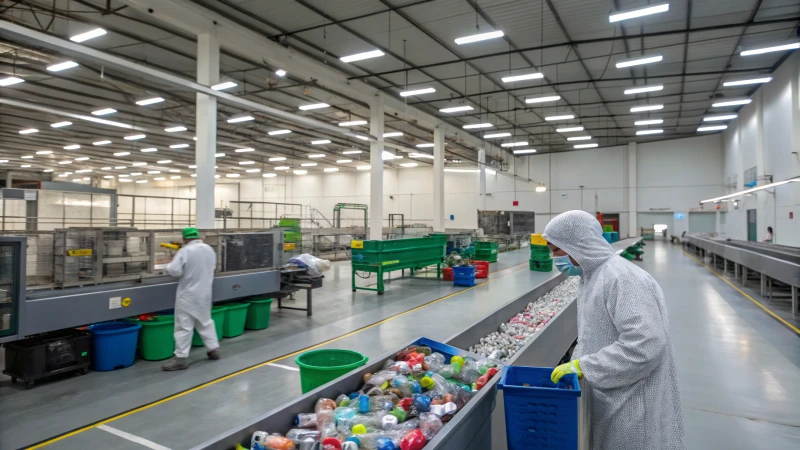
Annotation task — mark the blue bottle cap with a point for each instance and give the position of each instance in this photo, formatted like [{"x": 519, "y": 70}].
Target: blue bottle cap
[
  {"x": 385, "y": 444},
  {"x": 354, "y": 439}
]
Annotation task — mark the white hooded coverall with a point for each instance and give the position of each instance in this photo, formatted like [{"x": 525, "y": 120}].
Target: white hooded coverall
[
  {"x": 194, "y": 266},
  {"x": 624, "y": 343}
]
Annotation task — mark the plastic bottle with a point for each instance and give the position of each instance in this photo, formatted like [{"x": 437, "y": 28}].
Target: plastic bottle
[
  {"x": 324, "y": 404},
  {"x": 305, "y": 420},
  {"x": 278, "y": 442},
  {"x": 406, "y": 385},
  {"x": 300, "y": 434},
  {"x": 379, "y": 378},
  {"x": 435, "y": 361},
  {"x": 257, "y": 440},
  {"x": 369, "y": 441},
  {"x": 342, "y": 400},
  {"x": 340, "y": 414},
  {"x": 326, "y": 423},
  {"x": 430, "y": 425},
  {"x": 469, "y": 371}
]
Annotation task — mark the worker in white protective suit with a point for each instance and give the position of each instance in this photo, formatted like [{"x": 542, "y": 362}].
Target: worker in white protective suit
[
  {"x": 624, "y": 349},
  {"x": 194, "y": 266}
]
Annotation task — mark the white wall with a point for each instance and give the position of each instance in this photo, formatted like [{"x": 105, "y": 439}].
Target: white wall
[{"x": 767, "y": 135}]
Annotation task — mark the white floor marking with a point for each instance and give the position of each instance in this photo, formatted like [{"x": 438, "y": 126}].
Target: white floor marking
[
  {"x": 285, "y": 367},
  {"x": 133, "y": 438}
]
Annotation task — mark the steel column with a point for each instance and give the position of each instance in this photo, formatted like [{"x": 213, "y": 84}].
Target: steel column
[
  {"x": 376, "y": 169},
  {"x": 438, "y": 179},
  {"x": 206, "y": 129},
  {"x": 482, "y": 178}
]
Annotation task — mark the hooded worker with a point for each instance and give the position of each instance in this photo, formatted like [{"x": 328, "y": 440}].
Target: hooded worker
[
  {"x": 194, "y": 266},
  {"x": 624, "y": 349}
]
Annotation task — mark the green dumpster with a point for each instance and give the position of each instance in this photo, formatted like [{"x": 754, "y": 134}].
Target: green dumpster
[
  {"x": 258, "y": 314},
  {"x": 156, "y": 338},
  {"x": 218, "y": 315},
  {"x": 318, "y": 367},
  {"x": 235, "y": 318}
]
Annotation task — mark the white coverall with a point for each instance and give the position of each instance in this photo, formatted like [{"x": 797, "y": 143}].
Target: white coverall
[
  {"x": 624, "y": 344},
  {"x": 194, "y": 266}
]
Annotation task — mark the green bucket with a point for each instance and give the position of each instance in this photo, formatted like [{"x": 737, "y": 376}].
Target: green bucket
[
  {"x": 157, "y": 337},
  {"x": 218, "y": 316},
  {"x": 235, "y": 318},
  {"x": 545, "y": 265},
  {"x": 318, "y": 367},
  {"x": 258, "y": 314}
]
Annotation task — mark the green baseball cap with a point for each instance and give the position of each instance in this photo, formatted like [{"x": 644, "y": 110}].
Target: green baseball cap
[{"x": 191, "y": 233}]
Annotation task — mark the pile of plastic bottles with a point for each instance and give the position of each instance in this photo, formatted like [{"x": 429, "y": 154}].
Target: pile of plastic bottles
[
  {"x": 400, "y": 407},
  {"x": 501, "y": 345}
]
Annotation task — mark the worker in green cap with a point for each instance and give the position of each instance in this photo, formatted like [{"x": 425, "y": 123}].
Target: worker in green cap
[{"x": 194, "y": 266}]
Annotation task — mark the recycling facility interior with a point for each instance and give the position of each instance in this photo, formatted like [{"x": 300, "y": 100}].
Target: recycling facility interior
[{"x": 364, "y": 132}]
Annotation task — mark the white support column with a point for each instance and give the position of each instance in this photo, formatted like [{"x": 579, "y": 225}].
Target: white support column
[
  {"x": 376, "y": 169},
  {"x": 206, "y": 129},
  {"x": 482, "y": 178},
  {"x": 632, "y": 186},
  {"x": 438, "y": 179}
]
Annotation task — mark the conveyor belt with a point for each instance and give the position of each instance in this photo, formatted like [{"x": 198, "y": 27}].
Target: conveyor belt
[{"x": 783, "y": 252}]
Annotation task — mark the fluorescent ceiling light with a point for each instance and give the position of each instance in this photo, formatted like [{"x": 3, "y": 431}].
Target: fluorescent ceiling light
[
  {"x": 776, "y": 48},
  {"x": 246, "y": 163},
  {"x": 556, "y": 118},
  {"x": 363, "y": 138},
  {"x": 82, "y": 158},
  {"x": 428, "y": 145},
  {"x": 134, "y": 137},
  {"x": 646, "y": 132},
  {"x": 223, "y": 86},
  {"x": 343, "y": 161},
  {"x": 174, "y": 170},
  {"x": 25, "y": 166},
  {"x": 496, "y": 135},
  {"x": 149, "y": 101},
  {"x": 141, "y": 181},
  {"x": 479, "y": 37},
  {"x": 193, "y": 166},
  {"x": 745, "y": 82},
  {"x": 179, "y": 146},
  {"x": 164, "y": 161},
  {"x": 541, "y": 188},
  {"x": 351, "y": 152},
  {"x": 420, "y": 155},
  {"x": 101, "y": 143},
  {"x": 732, "y": 102},
  {"x": 139, "y": 163},
  {"x": 525, "y": 151},
  {"x": 9, "y": 81},
  {"x": 755, "y": 189},
  {"x": 253, "y": 170},
  {"x": 713, "y": 128},
  {"x": 409, "y": 164},
  {"x": 65, "y": 162},
  {"x": 153, "y": 172},
  {"x": 392, "y": 134},
  {"x": 277, "y": 132},
  {"x": 456, "y": 109},
  {"x": 640, "y": 123},
  {"x": 174, "y": 129},
  {"x": 159, "y": 178},
  {"x": 125, "y": 180},
  {"x": 278, "y": 158},
  {"x": 549, "y": 98},
  {"x": 62, "y": 66},
  {"x": 120, "y": 154},
  {"x": 300, "y": 172},
  {"x": 527, "y": 76},
  {"x": 241, "y": 119},
  {"x": 477, "y": 125},
  {"x": 331, "y": 169},
  {"x": 647, "y": 108},
  {"x": 148, "y": 150},
  {"x": 97, "y": 32},
  {"x": 72, "y": 147},
  {"x": 135, "y": 174},
  {"x": 219, "y": 155},
  {"x": 28, "y": 131},
  {"x": 244, "y": 150},
  {"x": 308, "y": 164},
  {"x": 105, "y": 168},
  {"x": 352, "y": 123},
  {"x": 105, "y": 122},
  {"x": 363, "y": 167},
  {"x": 417, "y": 92},
  {"x": 60, "y": 124},
  {"x": 44, "y": 152},
  {"x": 317, "y": 155},
  {"x": 639, "y": 61},
  {"x": 718, "y": 118},
  {"x": 569, "y": 129},
  {"x": 579, "y": 138},
  {"x": 269, "y": 175},
  {"x": 514, "y": 144},
  {"x": 280, "y": 73},
  {"x": 585, "y": 146},
  {"x": 313, "y": 106},
  {"x": 389, "y": 155},
  {"x": 28, "y": 157},
  {"x": 362, "y": 56},
  {"x": 642, "y": 89},
  {"x": 104, "y": 112},
  {"x": 634, "y": 13},
  {"x": 108, "y": 176}
]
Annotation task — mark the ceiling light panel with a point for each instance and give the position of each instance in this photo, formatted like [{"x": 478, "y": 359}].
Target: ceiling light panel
[
  {"x": 773, "y": 48},
  {"x": 523, "y": 77},
  {"x": 732, "y": 102},
  {"x": 61, "y": 124},
  {"x": 10, "y": 81},
  {"x": 585, "y": 146},
  {"x": 362, "y": 56},
  {"x": 569, "y": 129},
  {"x": 719, "y": 118},
  {"x": 496, "y": 135},
  {"x": 479, "y": 37},
  {"x": 313, "y": 106},
  {"x": 279, "y": 132},
  {"x": 477, "y": 125},
  {"x": 134, "y": 137},
  {"x": 549, "y": 98},
  {"x": 713, "y": 128},
  {"x": 149, "y": 101},
  {"x": 453, "y": 109},
  {"x": 557, "y": 118},
  {"x": 352, "y": 123},
  {"x": 392, "y": 134},
  {"x": 223, "y": 86},
  {"x": 621, "y": 64},
  {"x": 647, "y": 132},
  {"x": 104, "y": 112},
  {"x": 241, "y": 119},
  {"x": 639, "y": 12},
  {"x": 641, "y": 123},
  {"x": 83, "y": 37},
  {"x": 643, "y": 89},
  {"x": 417, "y": 92},
  {"x": 62, "y": 66},
  {"x": 643, "y": 108},
  {"x": 747, "y": 81}
]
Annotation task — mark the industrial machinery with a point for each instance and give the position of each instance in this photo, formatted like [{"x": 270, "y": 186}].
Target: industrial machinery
[{"x": 77, "y": 276}]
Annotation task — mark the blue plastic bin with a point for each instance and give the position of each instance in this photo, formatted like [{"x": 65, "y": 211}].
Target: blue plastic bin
[
  {"x": 540, "y": 414},
  {"x": 464, "y": 276},
  {"x": 607, "y": 236},
  {"x": 114, "y": 345},
  {"x": 614, "y": 236}
]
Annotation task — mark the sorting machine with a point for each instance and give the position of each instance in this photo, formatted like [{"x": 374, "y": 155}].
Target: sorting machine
[{"x": 51, "y": 280}]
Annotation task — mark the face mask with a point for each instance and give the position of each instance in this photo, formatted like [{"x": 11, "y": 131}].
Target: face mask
[{"x": 564, "y": 265}]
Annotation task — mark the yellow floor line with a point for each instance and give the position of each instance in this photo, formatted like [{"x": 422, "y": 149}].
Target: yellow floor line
[
  {"x": 265, "y": 363},
  {"x": 768, "y": 311}
]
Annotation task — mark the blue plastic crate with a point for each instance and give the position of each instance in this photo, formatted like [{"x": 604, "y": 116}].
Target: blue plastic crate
[
  {"x": 539, "y": 414},
  {"x": 607, "y": 236},
  {"x": 464, "y": 276},
  {"x": 114, "y": 345}
]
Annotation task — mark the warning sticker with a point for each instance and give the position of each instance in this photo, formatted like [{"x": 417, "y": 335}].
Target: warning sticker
[
  {"x": 80, "y": 252},
  {"x": 115, "y": 302},
  {"x": 356, "y": 244}
]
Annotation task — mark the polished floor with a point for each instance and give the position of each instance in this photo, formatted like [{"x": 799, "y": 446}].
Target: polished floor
[{"x": 739, "y": 368}]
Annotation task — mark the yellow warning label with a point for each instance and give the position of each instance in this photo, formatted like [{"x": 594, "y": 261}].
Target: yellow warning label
[
  {"x": 386, "y": 263},
  {"x": 126, "y": 302},
  {"x": 80, "y": 252},
  {"x": 537, "y": 239},
  {"x": 356, "y": 244},
  {"x": 291, "y": 246}
]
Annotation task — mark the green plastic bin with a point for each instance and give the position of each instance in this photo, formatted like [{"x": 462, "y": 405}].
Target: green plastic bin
[
  {"x": 218, "y": 316},
  {"x": 318, "y": 367},
  {"x": 235, "y": 318},
  {"x": 156, "y": 337},
  {"x": 258, "y": 314}
]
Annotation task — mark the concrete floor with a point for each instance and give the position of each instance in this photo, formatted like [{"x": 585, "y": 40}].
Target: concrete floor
[{"x": 739, "y": 368}]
